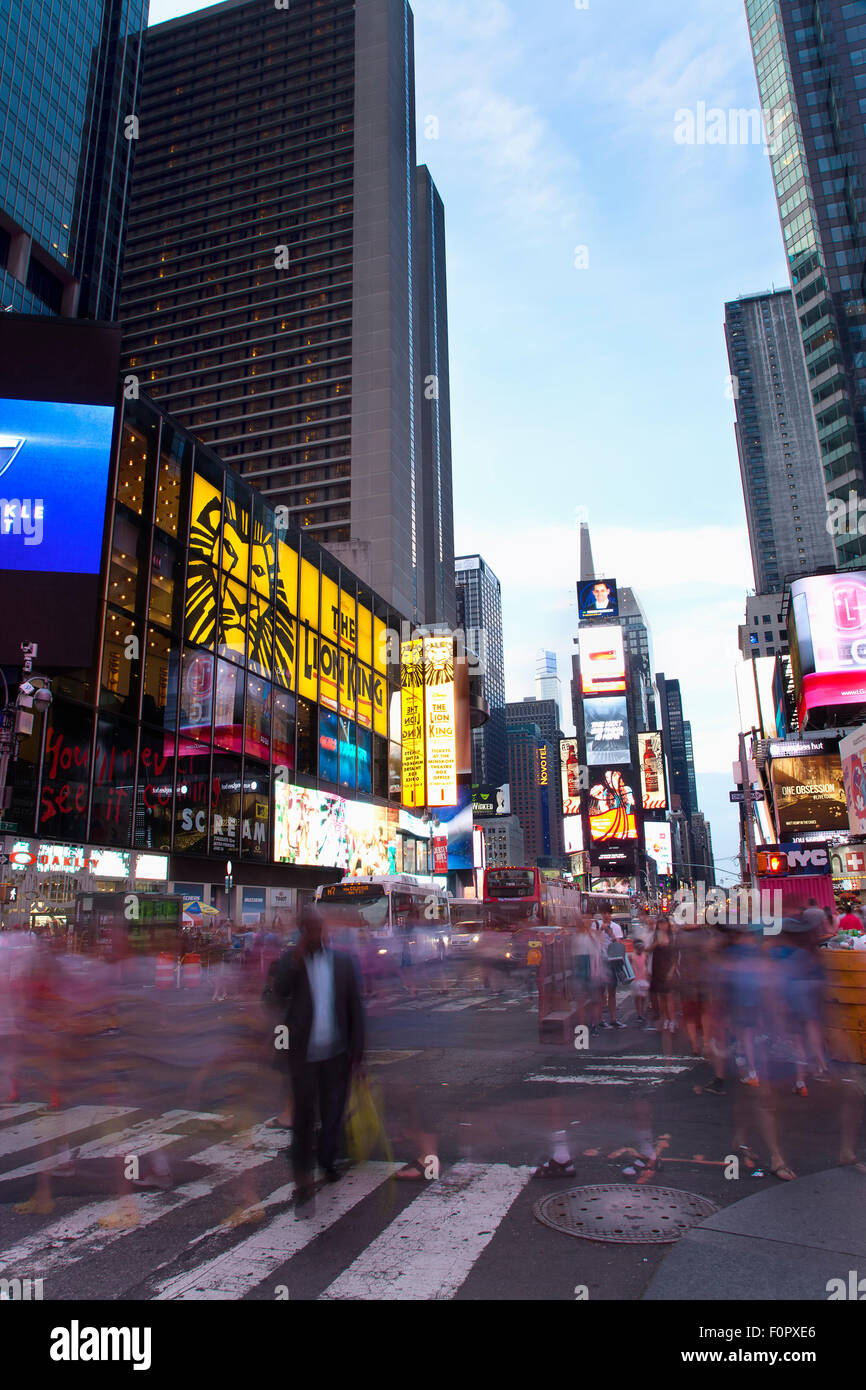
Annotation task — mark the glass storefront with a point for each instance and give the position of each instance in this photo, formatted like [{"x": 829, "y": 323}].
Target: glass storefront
[{"x": 235, "y": 657}]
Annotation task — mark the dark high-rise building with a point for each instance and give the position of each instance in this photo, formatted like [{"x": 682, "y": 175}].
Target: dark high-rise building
[
  {"x": 703, "y": 864},
  {"x": 479, "y": 613},
  {"x": 524, "y": 772},
  {"x": 284, "y": 289},
  {"x": 690, "y": 764},
  {"x": 809, "y": 66},
  {"x": 434, "y": 435},
  {"x": 544, "y": 716},
  {"x": 68, "y": 84},
  {"x": 780, "y": 462},
  {"x": 677, "y": 744}
]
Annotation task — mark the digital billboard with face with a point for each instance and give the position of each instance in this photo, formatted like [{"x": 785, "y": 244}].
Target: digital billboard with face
[
  {"x": 828, "y": 641},
  {"x": 597, "y": 597},
  {"x": 606, "y": 725},
  {"x": 602, "y": 660},
  {"x": 809, "y": 794}
]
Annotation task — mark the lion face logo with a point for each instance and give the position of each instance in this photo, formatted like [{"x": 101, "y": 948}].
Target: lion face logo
[{"x": 230, "y": 598}]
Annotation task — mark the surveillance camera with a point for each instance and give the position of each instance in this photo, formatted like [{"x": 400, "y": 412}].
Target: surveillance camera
[{"x": 42, "y": 698}]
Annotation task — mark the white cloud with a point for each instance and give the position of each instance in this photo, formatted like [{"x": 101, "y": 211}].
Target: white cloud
[{"x": 498, "y": 143}]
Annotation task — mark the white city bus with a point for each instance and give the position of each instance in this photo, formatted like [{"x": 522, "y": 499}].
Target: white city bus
[{"x": 402, "y": 919}]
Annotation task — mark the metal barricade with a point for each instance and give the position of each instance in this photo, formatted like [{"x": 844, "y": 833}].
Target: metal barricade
[{"x": 557, "y": 996}]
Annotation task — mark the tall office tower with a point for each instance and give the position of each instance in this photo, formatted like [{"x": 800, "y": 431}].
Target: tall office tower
[
  {"x": 637, "y": 641},
  {"x": 690, "y": 765},
  {"x": 547, "y": 683},
  {"x": 544, "y": 715},
  {"x": 703, "y": 865},
  {"x": 524, "y": 772},
  {"x": 808, "y": 61},
  {"x": 780, "y": 468},
  {"x": 479, "y": 613},
  {"x": 69, "y": 72},
  {"x": 504, "y": 841},
  {"x": 677, "y": 754},
  {"x": 434, "y": 434},
  {"x": 284, "y": 288}
]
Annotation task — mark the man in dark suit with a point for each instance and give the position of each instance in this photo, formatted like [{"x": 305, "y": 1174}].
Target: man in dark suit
[{"x": 325, "y": 1019}]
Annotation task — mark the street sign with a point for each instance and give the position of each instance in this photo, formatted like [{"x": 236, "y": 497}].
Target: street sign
[
  {"x": 741, "y": 796},
  {"x": 8, "y": 827}
]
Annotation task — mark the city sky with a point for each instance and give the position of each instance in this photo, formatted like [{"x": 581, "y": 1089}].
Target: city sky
[{"x": 589, "y": 256}]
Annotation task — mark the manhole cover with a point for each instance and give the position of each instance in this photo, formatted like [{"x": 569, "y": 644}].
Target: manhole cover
[{"x": 627, "y": 1215}]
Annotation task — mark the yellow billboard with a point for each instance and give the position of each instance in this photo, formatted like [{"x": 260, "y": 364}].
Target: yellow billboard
[
  {"x": 412, "y": 720},
  {"x": 365, "y": 635},
  {"x": 440, "y": 733}
]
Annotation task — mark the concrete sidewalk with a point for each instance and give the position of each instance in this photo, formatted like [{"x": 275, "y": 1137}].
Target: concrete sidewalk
[{"x": 785, "y": 1242}]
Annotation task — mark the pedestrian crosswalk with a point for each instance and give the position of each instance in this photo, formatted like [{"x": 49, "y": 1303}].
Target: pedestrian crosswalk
[
  {"x": 422, "y": 1240},
  {"x": 438, "y": 1003},
  {"x": 616, "y": 1069}
]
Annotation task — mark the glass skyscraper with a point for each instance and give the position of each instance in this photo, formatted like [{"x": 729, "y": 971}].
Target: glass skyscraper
[
  {"x": 786, "y": 507},
  {"x": 68, "y": 96},
  {"x": 479, "y": 610},
  {"x": 810, "y": 61}
]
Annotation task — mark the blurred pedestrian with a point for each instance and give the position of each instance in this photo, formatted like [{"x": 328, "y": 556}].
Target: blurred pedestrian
[
  {"x": 640, "y": 964},
  {"x": 663, "y": 981},
  {"x": 324, "y": 1018}
]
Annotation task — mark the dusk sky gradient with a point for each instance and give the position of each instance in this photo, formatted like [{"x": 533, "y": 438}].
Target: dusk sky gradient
[{"x": 599, "y": 392}]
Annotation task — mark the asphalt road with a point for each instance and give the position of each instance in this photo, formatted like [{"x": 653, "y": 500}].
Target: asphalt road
[{"x": 463, "y": 1081}]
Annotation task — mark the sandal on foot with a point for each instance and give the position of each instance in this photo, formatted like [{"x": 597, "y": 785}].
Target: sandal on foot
[
  {"x": 276, "y": 1124},
  {"x": 784, "y": 1173},
  {"x": 412, "y": 1172},
  {"x": 551, "y": 1169}
]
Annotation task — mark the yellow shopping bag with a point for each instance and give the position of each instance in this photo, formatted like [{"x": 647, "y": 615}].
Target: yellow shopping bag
[{"x": 365, "y": 1125}]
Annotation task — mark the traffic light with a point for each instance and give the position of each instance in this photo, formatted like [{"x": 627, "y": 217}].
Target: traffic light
[
  {"x": 772, "y": 863},
  {"x": 8, "y": 892}
]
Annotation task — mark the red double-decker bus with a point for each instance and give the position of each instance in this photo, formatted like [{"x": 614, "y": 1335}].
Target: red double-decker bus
[
  {"x": 518, "y": 894},
  {"x": 512, "y": 895}
]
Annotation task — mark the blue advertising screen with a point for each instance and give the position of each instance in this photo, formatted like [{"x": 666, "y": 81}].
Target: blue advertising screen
[
  {"x": 54, "y": 461},
  {"x": 456, "y": 823}
]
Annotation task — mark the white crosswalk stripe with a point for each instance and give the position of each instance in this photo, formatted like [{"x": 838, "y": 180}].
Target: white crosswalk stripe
[
  {"x": 10, "y": 1113},
  {"x": 85, "y": 1234},
  {"x": 425, "y": 1252},
  {"x": 59, "y": 1124},
  {"x": 616, "y": 1070},
  {"x": 428, "y": 1251},
  {"x": 245, "y": 1266}
]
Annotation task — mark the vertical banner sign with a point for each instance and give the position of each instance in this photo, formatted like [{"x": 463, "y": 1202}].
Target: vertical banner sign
[
  {"x": 652, "y": 772},
  {"x": 440, "y": 729},
  {"x": 570, "y": 765},
  {"x": 412, "y": 707}
]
